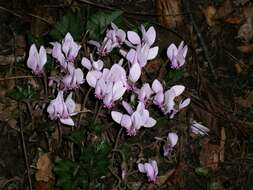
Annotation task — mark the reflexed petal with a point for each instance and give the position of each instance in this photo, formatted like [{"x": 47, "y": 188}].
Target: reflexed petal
[
  {"x": 150, "y": 122},
  {"x": 133, "y": 37},
  {"x": 154, "y": 165},
  {"x": 151, "y": 35},
  {"x": 86, "y": 63},
  {"x": 43, "y": 57},
  {"x": 79, "y": 76},
  {"x": 171, "y": 51},
  {"x": 184, "y": 103},
  {"x": 152, "y": 53},
  {"x": 118, "y": 90},
  {"x": 158, "y": 98},
  {"x": 135, "y": 72},
  {"x": 157, "y": 86},
  {"x": 126, "y": 121},
  {"x": 67, "y": 121},
  {"x": 92, "y": 77},
  {"x": 141, "y": 168},
  {"x": 178, "y": 89},
  {"x": 172, "y": 139},
  {"x": 127, "y": 107},
  {"x": 98, "y": 65},
  {"x": 116, "y": 116},
  {"x": 71, "y": 105},
  {"x": 130, "y": 56},
  {"x": 33, "y": 58},
  {"x": 150, "y": 171}
]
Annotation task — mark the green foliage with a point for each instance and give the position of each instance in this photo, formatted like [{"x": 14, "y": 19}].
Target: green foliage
[
  {"x": 92, "y": 164},
  {"x": 98, "y": 23},
  {"x": 35, "y": 40},
  {"x": 173, "y": 76},
  {"x": 202, "y": 171},
  {"x": 72, "y": 23},
  {"x": 77, "y": 136},
  {"x": 23, "y": 92}
]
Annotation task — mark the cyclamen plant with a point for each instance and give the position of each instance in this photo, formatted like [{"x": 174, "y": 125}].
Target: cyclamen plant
[{"x": 110, "y": 84}]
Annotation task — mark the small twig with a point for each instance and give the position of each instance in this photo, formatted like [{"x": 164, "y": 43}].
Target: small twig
[
  {"x": 98, "y": 112},
  {"x": 201, "y": 39},
  {"x": 16, "y": 77},
  {"x": 127, "y": 12},
  {"x": 83, "y": 106},
  {"x": 24, "y": 147}
]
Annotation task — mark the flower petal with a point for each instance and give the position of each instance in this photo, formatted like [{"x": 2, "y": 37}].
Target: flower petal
[
  {"x": 86, "y": 63},
  {"x": 152, "y": 53},
  {"x": 67, "y": 121},
  {"x": 157, "y": 86},
  {"x": 135, "y": 72},
  {"x": 171, "y": 51},
  {"x": 116, "y": 116},
  {"x": 127, "y": 107},
  {"x": 133, "y": 37},
  {"x": 172, "y": 139}
]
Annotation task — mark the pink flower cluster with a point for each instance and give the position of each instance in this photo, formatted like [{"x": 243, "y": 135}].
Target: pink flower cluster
[{"x": 111, "y": 84}]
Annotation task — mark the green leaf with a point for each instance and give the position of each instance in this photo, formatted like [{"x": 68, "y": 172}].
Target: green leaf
[
  {"x": 202, "y": 171},
  {"x": 23, "y": 92},
  {"x": 71, "y": 22},
  {"x": 173, "y": 76},
  {"x": 76, "y": 136},
  {"x": 98, "y": 23}
]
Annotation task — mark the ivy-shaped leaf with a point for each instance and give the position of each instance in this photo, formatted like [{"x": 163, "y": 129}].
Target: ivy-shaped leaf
[
  {"x": 98, "y": 23},
  {"x": 72, "y": 23}
]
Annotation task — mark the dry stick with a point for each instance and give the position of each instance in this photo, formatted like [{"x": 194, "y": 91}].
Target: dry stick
[
  {"x": 127, "y": 12},
  {"x": 24, "y": 148},
  {"x": 16, "y": 77},
  {"x": 83, "y": 106},
  {"x": 201, "y": 39}
]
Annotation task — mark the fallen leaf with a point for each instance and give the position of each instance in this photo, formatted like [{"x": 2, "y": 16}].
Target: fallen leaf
[
  {"x": 44, "y": 168},
  {"x": 210, "y": 155},
  {"x": 246, "y": 48},
  {"x": 210, "y": 14},
  {"x": 224, "y": 10},
  {"x": 233, "y": 20},
  {"x": 169, "y": 12},
  {"x": 245, "y": 32}
]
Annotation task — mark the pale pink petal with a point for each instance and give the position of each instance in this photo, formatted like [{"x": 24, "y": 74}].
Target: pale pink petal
[
  {"x": 131, "y": 55},
  {"x": 171, "y": 51},
  {"x": 157, "y": 86},
  {"x": 135, "y": 72},
  {"x": 151, "y": 35},
  {"x": 178, "y": 89},
  {"x": 33, "y": 59},
  {"x": 150, "y": 122},
  {"x": 118, "y": 90},
  {"x": 184, "y": 103},
  {"x": 67, "y": 121},
  {"x": 79, "y": 76},
  {"x": 152, "y": 53},
  {"x": 43, "y": 56},
  {"x": 127, "y": 107},
  {"x": 133, "y": 37},
  {"x": 150, "y": 172},
  {"x": 154, "y": 165},
  {"x": 71, "y": 105},
  {"x": 172, "y": 139},
  {"x": 92, "y": 78},
  {"x": 116, "y": 116},
  {"x": 141, "y": 168},
  {"x": 86, "y": 63},
  {"x": 126, "y": 121}
]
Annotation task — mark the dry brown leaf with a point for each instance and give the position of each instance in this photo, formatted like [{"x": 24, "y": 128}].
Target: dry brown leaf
[
  {"x": 245, "y": 32},
  {"x": 233, "y": 20},
  {"x": 246, "y": 102},
  {"x": 246, "y": 48},
  {"x": 170, "y": 12},
  {"x": 238, "y": 68},
  {"x": 224, "y": 10},
  {"x": 210, "y": 155},
  {"x": 161, "y": 180},
  {"x": 210, "y": 14},
  {"x": 44, "y": 168}
]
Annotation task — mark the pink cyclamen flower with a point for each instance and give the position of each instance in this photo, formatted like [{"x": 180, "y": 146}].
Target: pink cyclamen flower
[
  {"x": 177, "y": 55},
  {"x": 150, "y": 169},
  {"x": 66, "y": 52},
  {"x": 74, "y": 79},
  {"x": 199, "y": 129},
  {"x": 60, "y": 109},
  {"x": 159, "y": 94},
  {"x": 114, "y": 39},
  {"x": 170, "y": 143},
  {"x": 37, "y": 60},
  {"x": 169, "y": 103},
  {"x": 144, "y": 94},
  {"x": 91, "y": 64},
  {"x": 134, "y": 120}
]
